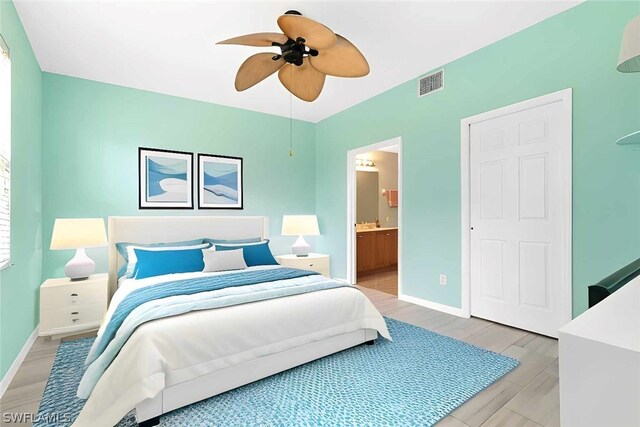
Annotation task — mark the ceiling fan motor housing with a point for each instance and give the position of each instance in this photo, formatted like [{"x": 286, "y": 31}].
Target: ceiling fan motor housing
[{"x": 294, "y": 51}]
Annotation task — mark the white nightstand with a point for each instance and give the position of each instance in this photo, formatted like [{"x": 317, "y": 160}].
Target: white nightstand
[
  {"x": 69, "y": 307},
  {"x": 313, "y": 262}
]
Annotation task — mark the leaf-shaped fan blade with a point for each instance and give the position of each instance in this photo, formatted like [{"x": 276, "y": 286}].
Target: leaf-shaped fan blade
[
  {"x": 257, "y": 39},
  {"x": 343, "y": 59},
  {"x": 303, "y": 81},
  {"x": 316, "y": 35},
  {"x": 257, "y": 68}
]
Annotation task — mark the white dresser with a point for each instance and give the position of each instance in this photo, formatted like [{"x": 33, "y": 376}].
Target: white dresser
[
  {"x": 71, "y": 307},
  {"x": 600, "y": 363},
  {"x": 313, "y": 262}
]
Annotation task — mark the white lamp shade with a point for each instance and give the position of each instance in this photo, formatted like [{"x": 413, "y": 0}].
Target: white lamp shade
[
  {"x": 300, "y": 225},
  {"x": 78, "y": 233},
  {"x": 629, "y": 59}
]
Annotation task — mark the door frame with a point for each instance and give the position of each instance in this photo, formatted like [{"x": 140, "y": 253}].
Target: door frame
[
  {"x": 565, "y": 96},
  {"x": 351, "y": 205}
]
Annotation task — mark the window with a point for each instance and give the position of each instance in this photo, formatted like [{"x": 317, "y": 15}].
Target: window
[{"x": 5, "y": 154}]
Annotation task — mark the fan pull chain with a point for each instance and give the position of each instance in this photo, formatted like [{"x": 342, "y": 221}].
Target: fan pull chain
[{"x": 291, "y": 116}]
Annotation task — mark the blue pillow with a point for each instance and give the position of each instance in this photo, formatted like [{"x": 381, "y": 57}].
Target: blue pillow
[
  {"x": 157, "y": 263},
  {"x": 121, "y": 247},
  {"x": 257, "y": 254}
]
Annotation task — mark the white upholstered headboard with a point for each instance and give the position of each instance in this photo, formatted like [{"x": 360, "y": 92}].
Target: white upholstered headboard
[{"x": 159, "y": 229}]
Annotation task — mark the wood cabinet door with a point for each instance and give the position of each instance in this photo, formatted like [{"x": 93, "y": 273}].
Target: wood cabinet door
[
  {"x": 387, "y": 248},
  {"x": 365, "y": 251}
]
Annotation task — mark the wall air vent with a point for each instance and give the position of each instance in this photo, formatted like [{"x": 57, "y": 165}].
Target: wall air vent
[{"x": 431, "y": 83}]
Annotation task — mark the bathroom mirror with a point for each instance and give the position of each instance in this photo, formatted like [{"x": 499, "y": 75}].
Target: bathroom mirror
[{"x": 367, "y": 196}]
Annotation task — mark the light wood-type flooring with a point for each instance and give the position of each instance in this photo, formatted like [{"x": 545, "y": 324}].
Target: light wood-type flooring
[{"x": 526, "y": 397}]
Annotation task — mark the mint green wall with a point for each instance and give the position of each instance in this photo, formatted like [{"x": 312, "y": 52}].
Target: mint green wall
[
  {"x": 19, "y": 283},
  {"x": 575, "y": 49},
  {"x": 88, "y": 134},
  {"x": 91, "y": 135}
]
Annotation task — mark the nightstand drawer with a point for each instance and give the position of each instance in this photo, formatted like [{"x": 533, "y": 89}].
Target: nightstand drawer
[
  {"x": 72, "y": 295},
  {"x": 312, "y": 264},
  {"x": 72, "y": 316}
]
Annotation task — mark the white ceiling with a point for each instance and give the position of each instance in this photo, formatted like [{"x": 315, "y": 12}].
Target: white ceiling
[{"x": 169, "y": 46}]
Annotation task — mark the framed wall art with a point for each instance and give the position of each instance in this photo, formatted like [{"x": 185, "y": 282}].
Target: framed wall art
[
  {"x": 219, "y": 182},
  {"x": 165, "y": 179}
]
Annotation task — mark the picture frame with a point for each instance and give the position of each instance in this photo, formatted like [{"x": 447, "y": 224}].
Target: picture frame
[
  {"x": 165, "y": 179},
  {"x": 220, "y": 182}
]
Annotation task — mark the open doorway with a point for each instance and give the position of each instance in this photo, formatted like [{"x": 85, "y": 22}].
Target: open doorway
[{"x": 374, "y": 211}]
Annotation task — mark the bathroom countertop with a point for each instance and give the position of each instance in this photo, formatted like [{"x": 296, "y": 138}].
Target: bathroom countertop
[{"x": 368, "y": 230}]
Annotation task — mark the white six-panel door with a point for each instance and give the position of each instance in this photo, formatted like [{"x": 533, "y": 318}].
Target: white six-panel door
[{"x": 518, "y": 250}]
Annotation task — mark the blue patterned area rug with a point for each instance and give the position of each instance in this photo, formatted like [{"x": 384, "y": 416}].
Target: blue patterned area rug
[{"x": 414, "y": 380}]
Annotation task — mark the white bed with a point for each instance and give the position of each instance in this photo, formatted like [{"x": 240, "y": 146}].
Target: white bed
[{"x": 172, "y": 362}]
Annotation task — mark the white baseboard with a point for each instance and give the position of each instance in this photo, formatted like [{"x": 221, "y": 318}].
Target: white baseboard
[
  {"x": 432, "y": 305},
  {"x": 13, "y": 369}
]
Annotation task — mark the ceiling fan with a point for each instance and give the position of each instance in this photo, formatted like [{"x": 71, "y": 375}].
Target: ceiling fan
[{"x": 309, "y": 52}]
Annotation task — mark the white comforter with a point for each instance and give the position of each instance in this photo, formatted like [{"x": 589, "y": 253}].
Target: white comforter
[{"x": 168, "y": 351}]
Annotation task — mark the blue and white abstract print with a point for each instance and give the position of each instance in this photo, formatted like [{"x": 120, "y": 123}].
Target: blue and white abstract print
[
  {"x": 220, "y": 182},
  {"x": 165, "y": 179}
]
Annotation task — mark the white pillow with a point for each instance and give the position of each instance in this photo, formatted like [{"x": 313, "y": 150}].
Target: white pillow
[
  {"x": 259, "y": 242},
  {"x": 133, "y": 259},
  {"x": 223, "y": 260}
]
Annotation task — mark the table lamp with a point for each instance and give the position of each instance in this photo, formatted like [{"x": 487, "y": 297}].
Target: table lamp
[
  {"x": 300, "y": 225},
  {"x": 78, "y": 234}
]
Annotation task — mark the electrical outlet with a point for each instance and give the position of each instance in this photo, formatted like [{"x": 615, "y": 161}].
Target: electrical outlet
[
  {"x": 386, "y": 219},
  {"x": 443, "y": 279}
]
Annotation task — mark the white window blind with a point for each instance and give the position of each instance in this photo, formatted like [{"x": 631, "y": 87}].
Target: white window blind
[{"x": 5, "y": 155}]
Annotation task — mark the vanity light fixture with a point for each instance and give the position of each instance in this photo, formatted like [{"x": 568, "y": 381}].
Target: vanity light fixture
[{"x": 365, "y": 163}]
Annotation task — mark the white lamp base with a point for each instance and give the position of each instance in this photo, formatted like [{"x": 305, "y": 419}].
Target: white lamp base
[
  {"x": 300, "y": 247},
  {"x": 80, "y": 266}
]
